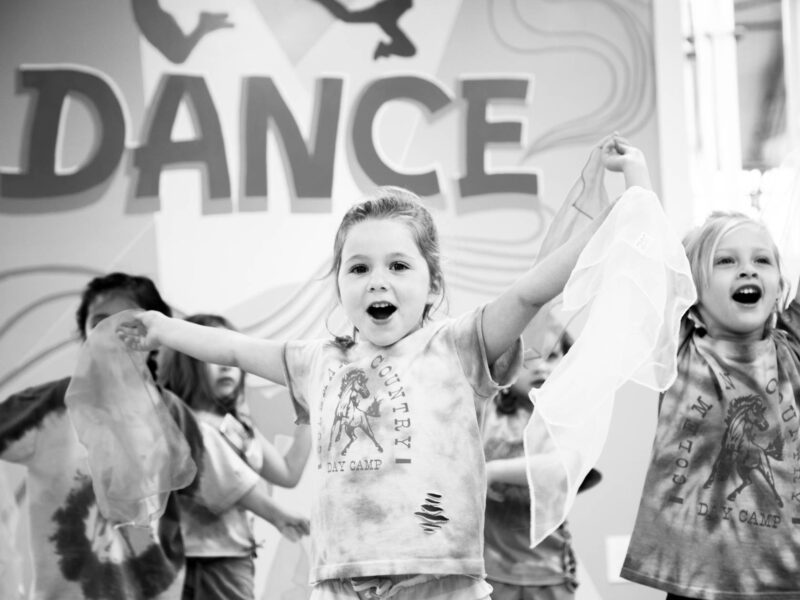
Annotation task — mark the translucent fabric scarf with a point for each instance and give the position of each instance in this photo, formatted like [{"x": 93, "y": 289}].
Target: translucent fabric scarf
[
  {"x": 136, "y": 452},
  {"x": 628, "y": 291}
]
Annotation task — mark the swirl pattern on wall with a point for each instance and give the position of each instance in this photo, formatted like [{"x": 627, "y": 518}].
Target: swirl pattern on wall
[{"x": 521, "y": 26}]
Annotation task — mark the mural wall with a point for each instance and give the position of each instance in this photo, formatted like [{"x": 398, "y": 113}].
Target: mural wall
[{"x": 213, "y": 145}]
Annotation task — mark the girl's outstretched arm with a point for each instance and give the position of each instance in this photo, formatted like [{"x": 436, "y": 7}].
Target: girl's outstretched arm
[
  {"x": 151, "y": 329},
  {"x": 506, "y": 317},
  {"x": 285, "y": 469}
]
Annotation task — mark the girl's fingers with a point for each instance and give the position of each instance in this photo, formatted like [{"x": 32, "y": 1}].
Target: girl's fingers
[
  {"x": 605, "y": 140},
  {"x": 621, "y": 144}
]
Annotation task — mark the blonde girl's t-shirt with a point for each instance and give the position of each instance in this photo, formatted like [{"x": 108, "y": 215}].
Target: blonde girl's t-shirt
[
  {"x": 719, "y": 516},
  {"x": 397, "y": 455}
]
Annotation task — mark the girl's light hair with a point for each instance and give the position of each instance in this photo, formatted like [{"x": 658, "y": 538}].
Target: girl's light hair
[
  {"x": 389, "y": 202},
  {"x": 701, "y": 244}
]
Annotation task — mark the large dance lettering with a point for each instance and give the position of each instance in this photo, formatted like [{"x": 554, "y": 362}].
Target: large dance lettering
[{"x": 309, "y": 162}]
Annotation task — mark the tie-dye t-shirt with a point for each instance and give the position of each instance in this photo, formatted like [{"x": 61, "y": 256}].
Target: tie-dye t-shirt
[
  {"x": 77, "y": 554},
  {"x": 720, "y": 511},
  {"x": 397, "y": 453}
]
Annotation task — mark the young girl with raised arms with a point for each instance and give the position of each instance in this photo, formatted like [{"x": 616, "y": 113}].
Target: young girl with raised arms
[
  {"x": 719, "y": 516},
  {"x": 397, "y": 452}
]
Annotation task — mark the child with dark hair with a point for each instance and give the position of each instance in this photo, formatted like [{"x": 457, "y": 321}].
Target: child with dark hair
[
  {"x": 220, "y": 548},
  {"x": 77, "y": 553}
]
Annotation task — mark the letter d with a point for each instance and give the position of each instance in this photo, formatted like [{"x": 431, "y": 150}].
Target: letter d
[{"x": 53, "y": 86}]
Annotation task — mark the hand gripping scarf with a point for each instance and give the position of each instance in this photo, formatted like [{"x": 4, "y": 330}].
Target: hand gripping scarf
[
  {"x": 630, "y": 287},
  {"x": 137, "y": 454},
  {"x": 585, "y": 201}
]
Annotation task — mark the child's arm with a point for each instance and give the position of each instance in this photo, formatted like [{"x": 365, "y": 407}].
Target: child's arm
[
  {"x": 507, "y": 470},
  {"x": 258, "y": 502},
  {"x": 285, "y": 470},
  {"x": 505, "y": 318},
  {"x": 151, "y": 329}
]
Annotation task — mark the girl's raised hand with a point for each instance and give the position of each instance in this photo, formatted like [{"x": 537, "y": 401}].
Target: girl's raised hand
[
  {"x": 137, "y": 332},
  {"x": 621, "y": 157}
]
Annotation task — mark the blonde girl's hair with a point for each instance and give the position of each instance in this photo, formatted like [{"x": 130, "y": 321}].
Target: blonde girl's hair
[
  {"x": 390, "y": 202},
  {"x": 701, "y": 244}
]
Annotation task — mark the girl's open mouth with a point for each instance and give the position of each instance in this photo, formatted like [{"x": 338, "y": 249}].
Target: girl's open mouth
[
  {"x": 747, "y": 294},
  {"x": 381, "y": 310}
]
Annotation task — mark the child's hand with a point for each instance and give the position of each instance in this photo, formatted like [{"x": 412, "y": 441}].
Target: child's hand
[
  {"x": 291, "y": 526},
  {"x": 138, "y": 334},
  {"x": 618, "y": 153},
  {"x": 621, "y": 157}
]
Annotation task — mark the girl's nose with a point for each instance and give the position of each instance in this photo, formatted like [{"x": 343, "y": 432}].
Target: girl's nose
[
  {"x": 377, "y": 281},
  {"x": 748, "y": 271}
]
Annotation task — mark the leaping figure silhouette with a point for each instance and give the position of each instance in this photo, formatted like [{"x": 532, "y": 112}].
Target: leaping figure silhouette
[
  {"x": 385, "y": 14},
  {"x": 162, "y": 31}
]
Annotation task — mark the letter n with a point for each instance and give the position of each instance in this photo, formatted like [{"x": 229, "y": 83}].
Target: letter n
[{"x": 311, "y": 164}]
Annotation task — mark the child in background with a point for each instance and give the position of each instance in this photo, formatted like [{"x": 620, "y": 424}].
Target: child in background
[
  {"x": 719, "y": 513},
  {"x": 77, "y": 553},
  {"x": 220, "y": 548},
  {"x": 398, "y": 456},
  {"x": 514, "y": 569}
]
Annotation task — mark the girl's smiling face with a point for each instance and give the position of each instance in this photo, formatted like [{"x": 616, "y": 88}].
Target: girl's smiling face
[
  {"x": 744, "y": 285},
  {"x": 384, "y": 281}
]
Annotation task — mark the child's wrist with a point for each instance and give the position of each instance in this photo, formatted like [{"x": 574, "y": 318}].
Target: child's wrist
[{"x": 637, "y": 174}]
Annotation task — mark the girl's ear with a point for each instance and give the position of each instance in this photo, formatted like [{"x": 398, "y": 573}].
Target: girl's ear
[{"x": 435, "y": 290}]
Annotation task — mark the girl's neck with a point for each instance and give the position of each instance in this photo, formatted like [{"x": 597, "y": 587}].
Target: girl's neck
[
  {"x": 738, "y": 338},
  {"x": 209, "y": 405}
]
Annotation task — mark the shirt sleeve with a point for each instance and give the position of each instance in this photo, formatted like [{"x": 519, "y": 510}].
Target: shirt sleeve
[
  {"x": 224, "y": 476},
  {"x": 298, "y": 357},
  {"x": 21, "y": 417},
  {"x": 486, "y": 379}
]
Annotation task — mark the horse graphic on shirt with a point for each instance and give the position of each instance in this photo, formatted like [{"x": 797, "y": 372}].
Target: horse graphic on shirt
[
  {"x": 349, "y": 415},
  {"x": 740, "y": 449}
]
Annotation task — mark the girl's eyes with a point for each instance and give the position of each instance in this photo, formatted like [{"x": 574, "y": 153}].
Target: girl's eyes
[
  {"x": 360, "y": 269},
  {"x": 727, "y": 260}
]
